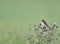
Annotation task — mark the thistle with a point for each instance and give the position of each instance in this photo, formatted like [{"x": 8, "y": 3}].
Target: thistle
[{"x": 44, "y": 33}]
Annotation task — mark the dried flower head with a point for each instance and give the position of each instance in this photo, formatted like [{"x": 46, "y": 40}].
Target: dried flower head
[
  {"x": 40, "y": 34},
  {"x": 50, "y": 32},
  {"x": 54, "y": 25},
  {"x": 35, "y": 41},
  {"x": 46, "y": 36},
  {"x": 44, "y": 30},
  {"x": 39, "y": 26},
  {"x": 49, "y": 39},
  {"x": 29, "y": 37}
]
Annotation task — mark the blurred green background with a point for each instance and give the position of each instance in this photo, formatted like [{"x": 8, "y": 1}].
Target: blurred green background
[{"x": 18, "y": 14}]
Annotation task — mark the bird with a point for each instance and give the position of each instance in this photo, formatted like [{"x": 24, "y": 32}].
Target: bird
[{"x": 43, "y": 24}]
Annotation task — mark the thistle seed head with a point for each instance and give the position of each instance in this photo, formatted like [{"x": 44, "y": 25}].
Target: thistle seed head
[
  {"x": 46, "y": 36},
  {"x": 29, "y": 37},
  {"x": 50, "y": 32},
  {"x": 35, "y": 41},
  {"x": 49, "y": 39}
]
